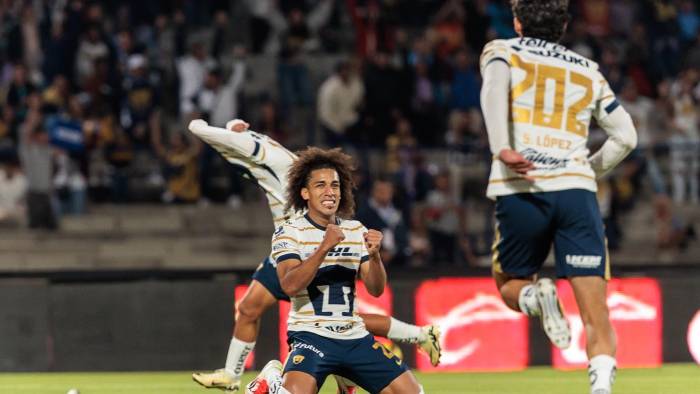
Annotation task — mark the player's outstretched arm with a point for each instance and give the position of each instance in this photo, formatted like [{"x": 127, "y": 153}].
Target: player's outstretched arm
[
  {"x": 295, "y": 275},
  {"x": 224, "y": 140},
  {"x": 372, "y": 271},
  {"x": 622, "y": 139}
]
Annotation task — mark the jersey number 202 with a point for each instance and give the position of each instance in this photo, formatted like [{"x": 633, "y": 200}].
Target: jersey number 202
[{"x": 538, "y": 75}]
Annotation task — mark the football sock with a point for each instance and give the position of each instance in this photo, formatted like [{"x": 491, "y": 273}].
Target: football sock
[
  {"x": 404, "y": 332},
  {"x": 237, "y": 353},
  {"x": 601, "y": 372},
  {"x": 527, "y": 301}
]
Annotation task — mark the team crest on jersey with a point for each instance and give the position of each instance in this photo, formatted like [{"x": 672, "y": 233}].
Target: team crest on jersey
[{"x": 297, "y": 359}]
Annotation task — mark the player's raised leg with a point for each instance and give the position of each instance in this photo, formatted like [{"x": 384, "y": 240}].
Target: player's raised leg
[
  {"x": 590, "y": 292},
  {"x": 255, "y": 302},
  {"x": 523, "y": 241},
  {"x": 427, "y": 337}
]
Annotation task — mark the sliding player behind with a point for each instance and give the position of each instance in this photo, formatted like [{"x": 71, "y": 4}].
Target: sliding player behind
[
  {"x": 538, "y": 99},
  {"x": 267, "y": 162},
  {"x": 319, "y": 256}
]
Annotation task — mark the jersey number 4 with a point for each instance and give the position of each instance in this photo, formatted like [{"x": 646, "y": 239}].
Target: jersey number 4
[{"x": 539, "y": 75}]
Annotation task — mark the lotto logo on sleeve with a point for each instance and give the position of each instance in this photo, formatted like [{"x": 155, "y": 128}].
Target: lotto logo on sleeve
[
  {"x": 479, "y": 332},
  {"x": 635, "y": 313},
  {"x": 238, "y": 294}
]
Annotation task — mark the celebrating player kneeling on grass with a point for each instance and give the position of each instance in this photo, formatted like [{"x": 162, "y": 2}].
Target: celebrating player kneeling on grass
[
  {"x": 538, "y": 99},
  {"x": 267, "y": 163},
  {"x": 318, "y": 256}
]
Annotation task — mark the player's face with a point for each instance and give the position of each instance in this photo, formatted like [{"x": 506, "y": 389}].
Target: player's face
[{"x": 322, "y": 192}]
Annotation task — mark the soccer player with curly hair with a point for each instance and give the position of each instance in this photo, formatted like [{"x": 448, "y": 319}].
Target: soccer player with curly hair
[{"x": 319, "y": 255}]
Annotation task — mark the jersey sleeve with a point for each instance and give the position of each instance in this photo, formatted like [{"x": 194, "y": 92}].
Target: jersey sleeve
[
  {"x": 224, "y": 141},
  {"x": 285, "y": 244},
  {"x": 496, "y": 50},
  {"x": 606, "y": 102}
]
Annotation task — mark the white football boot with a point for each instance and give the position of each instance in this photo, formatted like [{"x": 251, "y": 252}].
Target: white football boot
[
  {"x": 219, "y": 379},
  {"x": 552, "y": 314}
]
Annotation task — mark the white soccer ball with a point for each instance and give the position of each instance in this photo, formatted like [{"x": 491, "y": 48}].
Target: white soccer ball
[{"x": 73, "y": 391}]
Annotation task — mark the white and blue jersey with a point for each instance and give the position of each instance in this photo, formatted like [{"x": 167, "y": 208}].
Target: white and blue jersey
[
  {"x": 327, "y": 306},
  {"x": 264, "y": 160},
  {"x": 554, "y": 94}
]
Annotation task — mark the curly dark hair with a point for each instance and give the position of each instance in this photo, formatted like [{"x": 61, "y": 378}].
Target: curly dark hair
[
  {"x": 544, "y": 19},
  {"x": 311, "y": 159}
]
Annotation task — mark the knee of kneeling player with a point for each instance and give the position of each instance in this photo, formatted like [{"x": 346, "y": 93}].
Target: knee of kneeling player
[{"x": 248, "y": 312}]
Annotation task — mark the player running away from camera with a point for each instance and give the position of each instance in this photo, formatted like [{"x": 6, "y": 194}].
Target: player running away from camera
[
  {"x": 267, "y": 162},
  {"x": 319, "y": 255},
  {"x": 538, "y": 99}
]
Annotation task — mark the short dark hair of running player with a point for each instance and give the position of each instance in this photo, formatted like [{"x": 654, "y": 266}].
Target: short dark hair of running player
[
  {"x": 544, "y": 19},
  {"x": 312, "y": 159}
]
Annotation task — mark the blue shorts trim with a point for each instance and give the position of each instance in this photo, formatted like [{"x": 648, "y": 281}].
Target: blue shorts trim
[
  {"x": 527, "y": 224},
  {"x": 266, "y": 274},
  {"x": 364, "y": 361}
]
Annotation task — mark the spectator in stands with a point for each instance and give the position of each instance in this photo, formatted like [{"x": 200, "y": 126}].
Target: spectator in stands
[
  {"x": 70, "y": 184},
  {"x": 271, "y": 122},
  {"x": 180, "y": 160},
  {"x": 217, "y": 101},
  {"x": 191, "y": 71},
  {"x": 8, "y": 132},
  {"x": 339, "y": 100},
  {"x": 292, "y": 73},
  {"x": 465, "y": 83},
  {"x": 20, "y": 88},
  {"x": 688, "y": 21},
  {"x": 379, "y": 213},
  {"x": 57, "y": 60},
  {"x": 140, "y": 110},
  {"x": 385, "y": 95},
  {"x": 446, "y": 223},
  {"x": 119, "y": 154},
  {"x": 91, "y": 48},
  {"x": 424, "y": 105},
  {"x": 13, "y": 191},
  {"x": 37, "y": 163},
  {"x": 55, "y": 95}
]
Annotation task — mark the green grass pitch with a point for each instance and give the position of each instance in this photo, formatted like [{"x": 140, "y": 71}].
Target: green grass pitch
[{"x": 670, "y": 379}]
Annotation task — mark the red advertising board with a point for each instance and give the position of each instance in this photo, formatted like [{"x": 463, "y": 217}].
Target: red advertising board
[
  {"x": 636, "y": 315},
  {"x": 238, "y": 294},
  {"x": 479, "y": 332},
  {"x": 365, "y": 303}
]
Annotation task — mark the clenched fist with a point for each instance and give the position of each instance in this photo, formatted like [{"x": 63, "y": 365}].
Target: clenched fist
[
  {"x": 334, "y": 235},
  {"x": 237, "y": 125},
  {"x": 373, "y": 241}
]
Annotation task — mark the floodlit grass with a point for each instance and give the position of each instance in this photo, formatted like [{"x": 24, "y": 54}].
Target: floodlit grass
[{"x": 671, "y": 379}]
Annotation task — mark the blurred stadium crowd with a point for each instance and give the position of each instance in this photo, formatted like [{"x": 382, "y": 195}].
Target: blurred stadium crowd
[{"x": 95, "y": 96}]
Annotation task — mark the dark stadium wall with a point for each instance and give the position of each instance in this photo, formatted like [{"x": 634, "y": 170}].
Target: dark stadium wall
[{"x": 186, "y": 324}]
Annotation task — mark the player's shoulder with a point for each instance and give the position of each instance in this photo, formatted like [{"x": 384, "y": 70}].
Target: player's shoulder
[
  {"x": 498, "y": 44},
  {"x": 291, "y": 225},
  {"x": 495, "y": 49}
]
